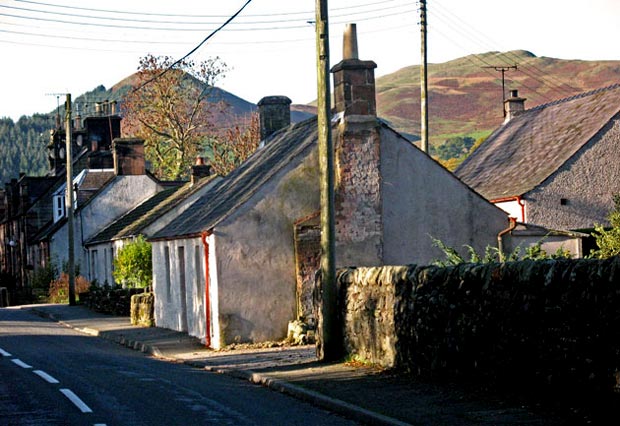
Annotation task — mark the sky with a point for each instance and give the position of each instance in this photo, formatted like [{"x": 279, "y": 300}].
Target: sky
[{"x": 51, "y": 47}]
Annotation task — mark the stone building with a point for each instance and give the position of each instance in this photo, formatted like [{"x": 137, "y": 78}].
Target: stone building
[
  {"x": 556, "y": 165},
  {"x": 237, "y": 264}
]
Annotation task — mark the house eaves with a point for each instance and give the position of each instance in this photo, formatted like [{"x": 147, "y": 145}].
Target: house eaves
[{"x": 136, "y": 220}]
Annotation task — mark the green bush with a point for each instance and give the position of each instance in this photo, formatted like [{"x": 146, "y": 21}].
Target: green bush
[
  {"x": 133, "y": 265},
  {"x": 608, "y": 240}
]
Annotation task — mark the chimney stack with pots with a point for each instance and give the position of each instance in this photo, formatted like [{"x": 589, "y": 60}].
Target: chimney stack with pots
[
  {"x": 354, "y": 79},
  {"x": 200, "y": 170},
  {"x": 513, "y": 106}
]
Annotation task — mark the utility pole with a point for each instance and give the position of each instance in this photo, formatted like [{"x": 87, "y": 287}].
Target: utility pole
[
  {"x": 328, "y": 348},
  {"x": 69, "y": 201},
  {"x": 423, "y": 81},
  {"x": 503, "y": 70}
]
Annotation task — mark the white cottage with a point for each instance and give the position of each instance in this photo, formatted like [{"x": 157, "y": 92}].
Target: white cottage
[
  {"x": 146, "y": 219},
  {"x": 233, "y": 266},
  {"x": 118, "y": 190}
]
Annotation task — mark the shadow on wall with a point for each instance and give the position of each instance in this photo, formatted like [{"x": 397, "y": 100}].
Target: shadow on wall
[{"x": 232, "y": 327}]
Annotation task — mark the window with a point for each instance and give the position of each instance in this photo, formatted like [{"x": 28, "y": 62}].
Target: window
[
  {"x": 181, "y": 256},
  {"x": 198, "y": 268},
  {"x": 59, "y": 207},
  {"x": 167, "y": 266},
  {"x": 93, "y": 264}
]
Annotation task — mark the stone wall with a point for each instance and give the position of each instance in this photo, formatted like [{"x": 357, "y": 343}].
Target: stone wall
[
  {"x": 553, "y": 322},
  {"x": 142, "y": 309}
]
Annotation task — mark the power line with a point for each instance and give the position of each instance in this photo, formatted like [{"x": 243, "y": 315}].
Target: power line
[
  {"x": 177, "y": 62},
  {"x": 192, "y": 15},
  {"x": 151, "y": 21}
]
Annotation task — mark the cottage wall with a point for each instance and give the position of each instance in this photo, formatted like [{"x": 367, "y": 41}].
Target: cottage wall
[
  {"x": 422, "y": 200},
  {"x": 179, "y": 285},
  {"x": 254, "y": 248},
  {"x": 124, "y": 193},
  {"x": 580, "y": 193}
]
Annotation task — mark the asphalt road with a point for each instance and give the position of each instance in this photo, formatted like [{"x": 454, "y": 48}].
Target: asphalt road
[{"x": 52, "y": 375}]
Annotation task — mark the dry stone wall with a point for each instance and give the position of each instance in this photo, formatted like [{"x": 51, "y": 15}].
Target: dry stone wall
[{"x": 553, "y": 322}]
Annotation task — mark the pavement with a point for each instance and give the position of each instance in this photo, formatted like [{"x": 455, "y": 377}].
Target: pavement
[{"x": 366, "y": 394}]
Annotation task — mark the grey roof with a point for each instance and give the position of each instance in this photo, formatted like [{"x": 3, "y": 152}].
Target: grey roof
[
  {"x": 522, "y": 153},
  {"x": 136, "y": 220},
  {"x": 237, "y": 187}
]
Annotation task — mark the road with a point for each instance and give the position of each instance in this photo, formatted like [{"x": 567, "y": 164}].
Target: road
[{"x": 52, "y": 375}]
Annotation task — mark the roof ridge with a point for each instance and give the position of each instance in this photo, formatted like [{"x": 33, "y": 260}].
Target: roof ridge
[{"x": 577, "y": 96}]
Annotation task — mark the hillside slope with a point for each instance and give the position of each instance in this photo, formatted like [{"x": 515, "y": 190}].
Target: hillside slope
[{"x": 466, "y": 99}]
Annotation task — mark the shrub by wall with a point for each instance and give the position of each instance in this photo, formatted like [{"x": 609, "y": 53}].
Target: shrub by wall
[{"x": 554, "y": 322}]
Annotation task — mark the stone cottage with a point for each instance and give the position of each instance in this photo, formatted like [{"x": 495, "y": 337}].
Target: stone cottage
[
  {"x": 556, "y": 165},
  {"x": 241, "y": 249}
]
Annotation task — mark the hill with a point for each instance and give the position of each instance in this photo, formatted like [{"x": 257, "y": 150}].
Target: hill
[
  {"x": 465, "y": 96},
  {"x": 465, "y": 100}
]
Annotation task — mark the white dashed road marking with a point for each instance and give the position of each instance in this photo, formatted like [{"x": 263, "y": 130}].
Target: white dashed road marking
[
  {"x": 21, "y": 363},
  {"x": 45, "y": 376},
  {"x": 4, "y": 353},
  {"x": 76, "y": 401}
]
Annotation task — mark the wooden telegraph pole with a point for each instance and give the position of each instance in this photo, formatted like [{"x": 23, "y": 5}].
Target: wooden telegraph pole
[
  {"x": 423, "y": 81},
  {"x": 328, "y": 346},
  {"x": 69, "y": 201}
]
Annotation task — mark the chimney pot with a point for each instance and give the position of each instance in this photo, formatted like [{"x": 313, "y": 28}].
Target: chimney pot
[
  {"x": 274, "y": 114},
  {"x": 349, "y": 42}
]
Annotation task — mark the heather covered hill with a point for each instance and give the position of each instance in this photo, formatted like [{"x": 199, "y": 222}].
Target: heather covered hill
[{"x": 465, "y": 99}]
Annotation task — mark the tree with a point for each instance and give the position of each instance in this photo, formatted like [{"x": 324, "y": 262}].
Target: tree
[
  {"x": 172, "y": 108},
  {"x": 608, "y": 239},
  {"x": 234, "y": 146},
  {"x": 133, "y": 265}
]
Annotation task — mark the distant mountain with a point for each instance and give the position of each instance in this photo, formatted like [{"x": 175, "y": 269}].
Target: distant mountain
[
  {"x": 465, "y": 96},
  {"x": 465, "y": 99}
]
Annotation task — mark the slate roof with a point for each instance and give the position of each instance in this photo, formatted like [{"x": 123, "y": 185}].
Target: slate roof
[
  {"x": 521, "y": 154},
  {"x": 133, "y": 222},
  {"x": 237, "y": 187}
]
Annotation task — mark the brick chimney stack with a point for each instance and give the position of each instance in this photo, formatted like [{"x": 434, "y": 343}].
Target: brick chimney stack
[
  {"x": 513, "y": 106},
  {"x": 128, "y": 156},
  {"x": 354, "y": 80},
  {"x": 200, "y": 170},
  {"x": 274, "y": 114}
]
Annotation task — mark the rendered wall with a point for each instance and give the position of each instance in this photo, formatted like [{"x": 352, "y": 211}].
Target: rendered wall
[
  {"x": 256, "y": 258},
  {"x": 581, "y": 192},
  {"x": 179, "y": 285},
  {"x": 421, "y": 200}
]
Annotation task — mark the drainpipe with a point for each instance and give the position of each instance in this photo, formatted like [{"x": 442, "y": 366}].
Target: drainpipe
[
  {"x": 500, "y": 242},
  {"x": 204, "y": 236},
  {"x": 516, "y": 198}
]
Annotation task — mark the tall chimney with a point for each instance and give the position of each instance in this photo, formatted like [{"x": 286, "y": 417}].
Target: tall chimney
[
  {"x": 354, "y": 80},
  {"x": 274, "y": 114},
  {"x": 128, "y": 156},
  {"x": 514, "y": 105}
]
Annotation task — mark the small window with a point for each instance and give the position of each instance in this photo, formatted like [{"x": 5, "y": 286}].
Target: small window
[
  {"x": 563, "y": 201},
  {"x": 167, "y": 265},
  {"x": 59, "y": 207}
]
